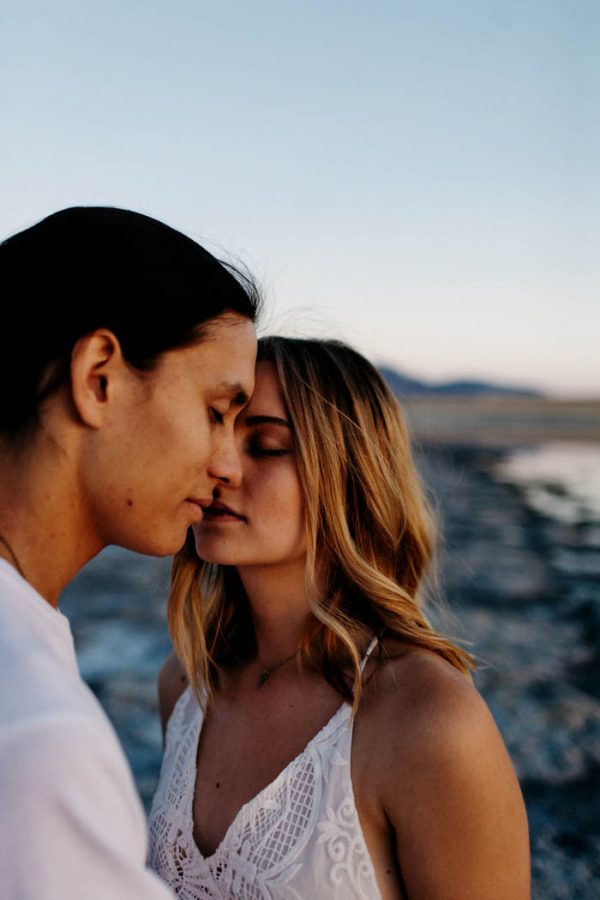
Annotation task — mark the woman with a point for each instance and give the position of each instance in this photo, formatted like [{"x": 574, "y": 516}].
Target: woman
[
  {"x": 322, "y": 739},
  {"x": 126, "y": 347}
]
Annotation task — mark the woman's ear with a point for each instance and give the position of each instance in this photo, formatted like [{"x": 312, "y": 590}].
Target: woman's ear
[{"x": 96, "y": 366}]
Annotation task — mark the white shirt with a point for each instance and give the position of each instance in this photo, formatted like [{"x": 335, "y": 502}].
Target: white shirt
[{"x": 71, "y": 823}]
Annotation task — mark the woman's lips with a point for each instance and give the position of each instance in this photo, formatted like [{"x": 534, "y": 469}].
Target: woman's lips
[{"x": 218, "y": 512}]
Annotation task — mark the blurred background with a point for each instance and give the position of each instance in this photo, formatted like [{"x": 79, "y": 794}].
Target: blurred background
[{"x": 422, "y": 180}]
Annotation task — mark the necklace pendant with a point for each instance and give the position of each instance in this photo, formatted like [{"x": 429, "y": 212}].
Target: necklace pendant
[{"x": 263, "y": 677}]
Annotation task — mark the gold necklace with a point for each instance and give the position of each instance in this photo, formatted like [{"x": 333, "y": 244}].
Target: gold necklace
[
  {"x": 267, "y": 671},
  {"x": 14, "y": 556}
]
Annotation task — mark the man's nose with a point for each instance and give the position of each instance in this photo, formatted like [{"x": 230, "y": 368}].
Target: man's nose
[{"x": 225, "y": 464}]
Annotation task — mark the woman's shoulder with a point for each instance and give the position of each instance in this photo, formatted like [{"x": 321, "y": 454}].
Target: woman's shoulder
[
  {"x": 431, "y": 763},
  {"x": 172, "y": 681},
  {"x": 418, "y": 715},
  {"x": 414, "y": 697}
]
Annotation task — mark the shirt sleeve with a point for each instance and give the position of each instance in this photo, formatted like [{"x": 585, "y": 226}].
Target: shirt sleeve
[{"x": 71, "y": 823}]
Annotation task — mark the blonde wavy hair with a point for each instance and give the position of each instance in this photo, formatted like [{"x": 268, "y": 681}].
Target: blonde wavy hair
[{"x": 370, "y": 532}]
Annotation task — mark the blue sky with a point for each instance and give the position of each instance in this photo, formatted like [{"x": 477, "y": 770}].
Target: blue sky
[{"x": 420, "y": 178}]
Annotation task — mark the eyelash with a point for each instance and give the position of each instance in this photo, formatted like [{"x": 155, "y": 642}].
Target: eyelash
[{"x": 257, "y": 451}]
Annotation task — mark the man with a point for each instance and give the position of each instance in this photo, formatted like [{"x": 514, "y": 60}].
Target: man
[{"x": 128, "y": 352}]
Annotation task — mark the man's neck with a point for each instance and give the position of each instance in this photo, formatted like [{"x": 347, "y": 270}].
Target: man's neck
[{"x": 43, "y": 523}]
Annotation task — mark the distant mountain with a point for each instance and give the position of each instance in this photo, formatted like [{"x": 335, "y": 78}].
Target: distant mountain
[{"x": 403, "y": 385}]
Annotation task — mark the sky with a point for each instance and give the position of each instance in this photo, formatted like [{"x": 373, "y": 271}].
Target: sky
[{"x": 420, "y": 178}]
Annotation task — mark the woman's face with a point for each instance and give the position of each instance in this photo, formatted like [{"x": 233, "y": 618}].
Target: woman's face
[{"x": 258, "y": 521}]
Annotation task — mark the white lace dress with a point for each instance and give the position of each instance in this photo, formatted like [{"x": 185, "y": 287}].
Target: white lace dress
[{"x": 298, "y": 838}]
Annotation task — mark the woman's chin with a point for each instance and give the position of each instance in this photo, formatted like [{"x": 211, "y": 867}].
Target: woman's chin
[
  {"x": 215, "y": 560},
  {"x": 208, "y": 552}
]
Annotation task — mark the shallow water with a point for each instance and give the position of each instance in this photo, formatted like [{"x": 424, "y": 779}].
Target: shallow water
[{"x": 560, "y": 479}]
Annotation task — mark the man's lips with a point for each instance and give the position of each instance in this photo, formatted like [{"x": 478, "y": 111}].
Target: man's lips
[
  {"x": 198, "y": 505},
  {"x": 201, "y": 501}
]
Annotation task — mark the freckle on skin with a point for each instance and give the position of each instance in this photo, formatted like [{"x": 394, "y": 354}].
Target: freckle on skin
[
  {"x": 218, "y": 784},
  {"x": 129, "y": 502}
]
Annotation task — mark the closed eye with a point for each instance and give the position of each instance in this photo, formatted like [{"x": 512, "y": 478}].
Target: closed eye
[{"x": 259, "y": 451}]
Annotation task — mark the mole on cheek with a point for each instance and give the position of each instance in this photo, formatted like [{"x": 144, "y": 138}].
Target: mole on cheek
[{"x": 129, "y": 502}]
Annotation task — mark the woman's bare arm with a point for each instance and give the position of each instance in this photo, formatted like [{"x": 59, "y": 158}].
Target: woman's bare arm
[{"x": 448, "y": 788}]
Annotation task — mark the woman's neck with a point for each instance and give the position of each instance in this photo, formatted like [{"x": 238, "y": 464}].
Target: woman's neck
[{"x": 278, "y": 606}]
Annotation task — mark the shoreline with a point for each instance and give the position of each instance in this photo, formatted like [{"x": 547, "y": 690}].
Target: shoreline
[{"x": 500, "y": 421}]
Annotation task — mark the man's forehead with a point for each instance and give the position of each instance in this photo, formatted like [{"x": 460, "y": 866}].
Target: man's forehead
[{"x": 236, "y": 390}]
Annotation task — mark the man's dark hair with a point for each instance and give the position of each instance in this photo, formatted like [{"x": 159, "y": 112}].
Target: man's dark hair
[{"x": 85, "y": 268}]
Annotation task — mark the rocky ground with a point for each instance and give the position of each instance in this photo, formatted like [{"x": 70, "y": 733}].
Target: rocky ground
[
  {"x": 525, "y": 592},
  {"x": 522, "y": 589}
]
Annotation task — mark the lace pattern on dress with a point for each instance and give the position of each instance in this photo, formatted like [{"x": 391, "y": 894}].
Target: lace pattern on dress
[{"x": 300, "y": 837}]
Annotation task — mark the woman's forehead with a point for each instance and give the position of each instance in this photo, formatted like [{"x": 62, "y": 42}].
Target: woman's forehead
[{"x": 267, "y": 398}]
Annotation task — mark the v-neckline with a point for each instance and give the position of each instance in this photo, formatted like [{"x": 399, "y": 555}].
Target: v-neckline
[{"x": 255, "y": 800}]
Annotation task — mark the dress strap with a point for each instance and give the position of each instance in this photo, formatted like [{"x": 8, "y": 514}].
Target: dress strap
[{"x": 370, "y": 649}]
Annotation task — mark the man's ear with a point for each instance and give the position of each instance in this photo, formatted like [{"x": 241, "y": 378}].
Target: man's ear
[{"x": 96, "y": 364}]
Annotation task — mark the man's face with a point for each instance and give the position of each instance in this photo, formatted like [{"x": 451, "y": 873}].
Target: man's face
[{"x": 170, "y": 440}]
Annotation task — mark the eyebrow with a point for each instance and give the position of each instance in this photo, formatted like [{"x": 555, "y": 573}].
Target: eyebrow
[
  {"x": 267, "y": 420},
  {"x": 239, "y": 396}
]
